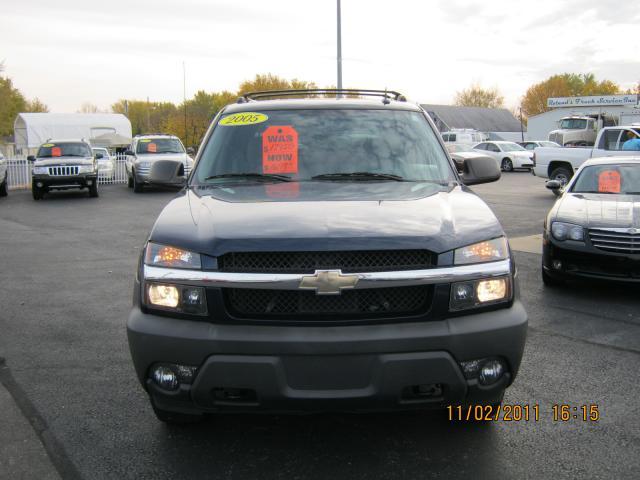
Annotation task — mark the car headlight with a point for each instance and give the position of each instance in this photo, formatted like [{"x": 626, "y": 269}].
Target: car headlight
[
  {"x": 157, "y": 255},
  {"x": 143, "y": 164},
  {"x": 479, "y": 293},
  {"x": 567, "y": 231},
  {"x": 488, "y": 251},
  {"x": 176, "y": 298},
  {"x": 40, "y": 170},
  {"x": 85, "y": 169}
]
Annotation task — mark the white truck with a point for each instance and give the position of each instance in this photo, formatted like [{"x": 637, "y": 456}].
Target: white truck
[
  {"x": 580, "y": 130},
  {"x": 560, "y": 163}
]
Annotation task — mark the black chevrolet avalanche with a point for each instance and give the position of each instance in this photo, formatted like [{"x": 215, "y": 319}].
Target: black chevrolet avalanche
[{"x": 325, "y": 255}]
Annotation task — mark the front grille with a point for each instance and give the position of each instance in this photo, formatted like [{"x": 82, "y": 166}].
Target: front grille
[
  {"x": 556, "y": 137},
  {"x": 309, "y": 262},
  {"x": 351, "y": 304},
  {"x": 63, "y": 171},
  {"x": 615, "y": 241}
]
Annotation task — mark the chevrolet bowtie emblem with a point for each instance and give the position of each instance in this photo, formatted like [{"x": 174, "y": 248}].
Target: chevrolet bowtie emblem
[{"x": 328, "y": 282}]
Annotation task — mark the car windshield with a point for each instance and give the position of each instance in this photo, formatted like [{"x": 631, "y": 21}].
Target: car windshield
[
  {"x": 66, "y": 149},
  {"x": 104, "y": 152},
  {"x": 549, "y": 144},
  {"x": 159, "y": 145},
  {"x": 511, "y": 147},
  {"x": 573, "y": 124},
  {"x": 610, "y": 179},
  {"x": 302, "y": 145}
]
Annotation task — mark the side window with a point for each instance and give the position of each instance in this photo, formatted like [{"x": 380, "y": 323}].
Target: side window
[
  {"x": 492, "y": 147},
  {"x": 445, "y": 137},
  {"x": 530, "y": 146},
  {"x": 482, "y": 146},
  {"x": 452, "y": 137},
  {"x": 609, "y": 140},
  {"x": 591, "y": 125}
]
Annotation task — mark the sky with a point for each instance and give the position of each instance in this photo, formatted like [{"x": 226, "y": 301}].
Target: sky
[{"x": 69, "y": 52}]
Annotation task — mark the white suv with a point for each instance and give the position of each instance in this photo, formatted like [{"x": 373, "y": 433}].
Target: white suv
[{"x": 157, "y": 159}]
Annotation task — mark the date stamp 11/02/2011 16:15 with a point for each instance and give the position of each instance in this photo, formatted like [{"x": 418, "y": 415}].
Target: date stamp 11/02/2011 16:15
[{"x": 523, "y": 413}]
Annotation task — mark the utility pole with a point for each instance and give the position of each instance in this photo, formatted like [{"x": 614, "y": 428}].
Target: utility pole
[
  {"x": 184, "y": 101},
  {"x": 339, "y": 50},
  {"x": 521, "y": 127}
]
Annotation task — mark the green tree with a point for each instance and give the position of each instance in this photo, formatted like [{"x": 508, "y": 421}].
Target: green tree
[
  {"x": 145, "y": 116},
  {"x": 477, "y": 96},
  {"x": 12, "y": 102},
  {"x": 36, "y": 106},
  {"x": 534, "y": 101}
]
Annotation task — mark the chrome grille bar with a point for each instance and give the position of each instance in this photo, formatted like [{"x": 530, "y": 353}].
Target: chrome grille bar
[
  {"x": 616, "y": 239},
  {"x": 63, "y": 171}
]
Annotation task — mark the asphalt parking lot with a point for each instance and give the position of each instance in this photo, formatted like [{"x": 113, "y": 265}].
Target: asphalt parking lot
[{"x": 67, "y": 265}]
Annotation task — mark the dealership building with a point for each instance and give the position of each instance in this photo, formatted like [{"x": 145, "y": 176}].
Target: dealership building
[{"x": 612, "y": 109}]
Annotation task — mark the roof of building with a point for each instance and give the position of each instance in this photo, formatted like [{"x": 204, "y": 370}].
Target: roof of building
[{"x": 448, "y": 117}]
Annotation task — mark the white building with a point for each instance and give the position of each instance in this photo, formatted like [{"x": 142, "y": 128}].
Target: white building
[
  {"x": 33, "y": 129},
  {"x": 623, "y": 109}
]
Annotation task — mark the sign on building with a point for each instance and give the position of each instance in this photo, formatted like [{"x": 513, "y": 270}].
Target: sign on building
[{"x": 595, "y": 100}]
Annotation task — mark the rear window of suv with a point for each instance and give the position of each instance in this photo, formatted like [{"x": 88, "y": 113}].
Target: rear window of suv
[
  {"x": 66, "y": 149},
  {"x": 302, "y": 144}
]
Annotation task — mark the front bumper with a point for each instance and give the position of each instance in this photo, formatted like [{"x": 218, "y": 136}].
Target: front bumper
[
  {"x": 584, "y": 261},
  {"x": 64, "y": 182},
  {"x": 307, "y": 368}
]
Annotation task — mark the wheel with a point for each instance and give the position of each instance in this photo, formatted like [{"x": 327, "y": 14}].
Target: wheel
[
  {"x": 3, "y": 188},
  {"x": 137, "y": 186},
  {"x": 129, "y": 181},
  {"x": 561, "y": 174},
  {"x": 37, "y": 193},
  {"x": 507, "y": 165},
  {"x": 550, "y": 281},
  {"x": 175, "y": 418},
  {"x": 93, "y": 190}
]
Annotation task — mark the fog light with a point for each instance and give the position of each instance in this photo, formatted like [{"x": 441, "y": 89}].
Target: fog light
[
  {"x": 491, "y": 372},
  {"x": 89, "y": 182},
  {"x": 165, "y": 378},
  {"x": 491, "y": 290},
  {"x": 557, "y": 265},
  {"x": 462, "y": 292},
  {"x": 164, "y": 295},
  {"x": 39, "y": 184}
]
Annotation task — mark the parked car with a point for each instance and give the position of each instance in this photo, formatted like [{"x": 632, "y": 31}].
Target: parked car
[
  {"x": 533, "y": 144},
  {"x": 561, "y": 163},
  {"x": 106, "y": 163},
  {"x": 460, "y": 152},
  {"x": 4, "y": 176},
  {"x": 325, "y": 255},
  {"x": 593, "y": 230},
  {"x": 157, "y": 151},
  {"x": 63, "y": 165},
  {"x": 509, "y": 155},
  {"x": 464, "y": 136}
]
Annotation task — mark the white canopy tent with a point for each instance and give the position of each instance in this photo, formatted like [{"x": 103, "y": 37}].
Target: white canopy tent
[{"x": 33, "y": 129}]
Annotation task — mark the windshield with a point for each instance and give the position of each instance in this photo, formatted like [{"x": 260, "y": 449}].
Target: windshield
[
  {"x": 622, "y": 179},
  {"x": 511, "y": 147},
  {"x": 302, "y": 144},
  {"x": 573, "y": 124},
  {"x": 103, "y": 151},
  {"x": 159, "y": 145},
  {"x": 50, "y": 150}
]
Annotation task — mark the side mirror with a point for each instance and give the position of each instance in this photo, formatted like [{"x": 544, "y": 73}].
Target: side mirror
[
  {"x": 129, "y": 153},
  {"x": 31, "y": 158},
  {"x": 553, "y": 185},
  {"x": 191, "y": 151},
  {"x": 99, "y": 156},
  {"x": 480, "y": 170}
]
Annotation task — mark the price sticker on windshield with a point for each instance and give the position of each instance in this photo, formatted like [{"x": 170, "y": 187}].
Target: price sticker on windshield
[
  {"x": 609, "y": 181},
  {"x": 152, "y": 148},
  {"x": 56, "y": 152},
  {"x": 280, "y": 149}
]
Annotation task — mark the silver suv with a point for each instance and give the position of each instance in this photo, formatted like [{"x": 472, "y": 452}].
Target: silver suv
[{"x": 157, "y": 159}]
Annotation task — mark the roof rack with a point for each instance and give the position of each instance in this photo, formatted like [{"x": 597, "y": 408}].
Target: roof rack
[{"x": 386, "y": 95}]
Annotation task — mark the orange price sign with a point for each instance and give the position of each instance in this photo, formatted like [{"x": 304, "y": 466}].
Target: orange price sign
[
  {"x": 56, "y": 152},
  {"x": 280, "y": 149},
  {"x": 609, "y": 181}
]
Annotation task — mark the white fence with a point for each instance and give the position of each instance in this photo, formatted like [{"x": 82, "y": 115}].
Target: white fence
[{"x": 19, "y": 170}]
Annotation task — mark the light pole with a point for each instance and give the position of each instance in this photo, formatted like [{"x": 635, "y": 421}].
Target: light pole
[
  {"x": 339, "y": 50},
  {"x": 184, "y": 100},
  {"x": 521, "y": 127}
]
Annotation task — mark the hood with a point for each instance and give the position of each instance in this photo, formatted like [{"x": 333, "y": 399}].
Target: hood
[
  {"x": 150, "y": 157},
  {"x": 325, "y": 216},
  {"x": 49, "y": 162},
  {"x": 593, "y": 210}
]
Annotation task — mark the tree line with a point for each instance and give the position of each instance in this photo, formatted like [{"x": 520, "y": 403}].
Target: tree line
[{"x": 190, "y": 119}]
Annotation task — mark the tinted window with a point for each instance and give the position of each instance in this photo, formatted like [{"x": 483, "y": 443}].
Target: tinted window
[
  {"x": 492, "y": 148},
  {"x": 305, "y": 143},
  {"x": 623, "y": 179},
  {"x": 609, "y": 140},
  {"x": 159, "y": 145},
  {"x": 573, "y": 124},
  {"x": 76, "y": 149},
  {"x": 481, "y": 146}
]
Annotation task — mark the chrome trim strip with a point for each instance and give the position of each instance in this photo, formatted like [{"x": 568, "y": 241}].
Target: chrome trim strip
[{"x": 291, "y": 281}]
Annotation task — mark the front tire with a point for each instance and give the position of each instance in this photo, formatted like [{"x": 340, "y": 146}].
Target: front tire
[
  {"x": 561, "y": 174},
  {"x": 137, "y": 186},
  {"x": 550, "y": 281},
  {"x": 37, "y": 193},
  {"x": 4, "y": 191},
  {"x": 507, "y": 165},
  {"x": 93, "y": 190}
]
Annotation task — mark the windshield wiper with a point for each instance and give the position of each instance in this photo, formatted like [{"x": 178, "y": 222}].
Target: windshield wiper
[
  {"x": 252, "y": 176},
  {"x": 359, "y": 175}
]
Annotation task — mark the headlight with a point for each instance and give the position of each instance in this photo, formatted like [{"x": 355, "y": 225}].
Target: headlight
[
  {"x": 158, "y": 255},
  {"x": 176, "y": 298},
  {"x": 567, "y": 231},
  {"x": 478, "y": 293},
  {"x": 143, "y": 164},
  {"x": 40, "y": 170},
  {"x": 85, "y": 169},
  {"x": 489, "y": 251}
]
